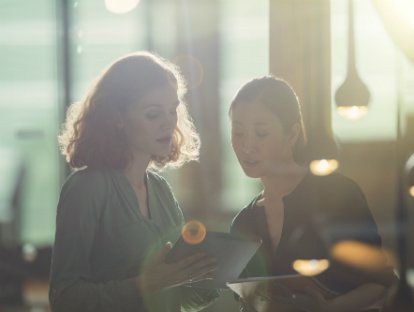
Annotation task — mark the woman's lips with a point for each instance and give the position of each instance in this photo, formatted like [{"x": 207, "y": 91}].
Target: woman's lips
[{"x": 250, "y": 163}]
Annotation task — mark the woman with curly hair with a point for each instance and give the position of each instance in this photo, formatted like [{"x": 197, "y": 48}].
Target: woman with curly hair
[{"x": 116, "y": 215}]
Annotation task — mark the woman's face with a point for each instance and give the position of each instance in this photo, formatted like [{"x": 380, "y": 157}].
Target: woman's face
[
  {"x": 150, "y": 124},
  {"x": 259, "y": 140}
]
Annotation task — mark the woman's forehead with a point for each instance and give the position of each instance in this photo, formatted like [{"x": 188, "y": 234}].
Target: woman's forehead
[
  {"x": 254, "y": 112},
  {"x": 165, "y": 95}
]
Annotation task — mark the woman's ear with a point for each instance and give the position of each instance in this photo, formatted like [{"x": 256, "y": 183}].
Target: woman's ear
[{"x": 294, "y": 134}]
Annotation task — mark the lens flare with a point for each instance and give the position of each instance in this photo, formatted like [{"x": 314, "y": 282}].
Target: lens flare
[
  {"x": 310, "y": 267},
  {"x": 194, "y": 232},
  {"x": 410, "y": 278},
  {"x": 29, "y": 252},
  {"x": 412, "y": 191},
  {"x": 323, "y": 167},
  {"x": 363, "y": 256},
  {"x": 352, "y": 112}
]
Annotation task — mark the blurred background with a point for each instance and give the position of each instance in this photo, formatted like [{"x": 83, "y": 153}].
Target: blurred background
[{"x": 50, "y": 52}]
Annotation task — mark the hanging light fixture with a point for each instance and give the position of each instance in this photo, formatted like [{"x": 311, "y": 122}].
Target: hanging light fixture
[
  {"x": 120, "y": 6},
  {"x": 353, "y": 96}
]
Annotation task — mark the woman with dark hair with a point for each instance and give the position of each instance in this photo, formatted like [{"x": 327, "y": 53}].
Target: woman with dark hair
[
  {"x": 295, "y": 208},
  {"x": 116, "y": 215}
]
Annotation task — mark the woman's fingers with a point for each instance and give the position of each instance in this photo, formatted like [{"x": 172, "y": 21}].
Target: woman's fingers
[
  {"x": 315, "y": 294},
  {"x": 183, "y": 277},
  {"x": 203, "y": 272},
  {"x": 191, "y": 269},
  {"x": 160, "y": 255},
  {"x": 202, "y": 268}
]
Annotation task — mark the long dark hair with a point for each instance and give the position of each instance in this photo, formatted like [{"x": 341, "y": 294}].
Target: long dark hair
[{"x": 281, "y": 99}]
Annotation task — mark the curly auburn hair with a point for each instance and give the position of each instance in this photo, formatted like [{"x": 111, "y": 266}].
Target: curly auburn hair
[{"x": 90, "y": 135}]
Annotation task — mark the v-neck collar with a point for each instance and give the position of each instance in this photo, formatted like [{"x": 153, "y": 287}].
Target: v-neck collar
[
  {"x": 261, "y": 222},
  {"x": 131, "y": 194},
  {"x": 294, "y": 193}
]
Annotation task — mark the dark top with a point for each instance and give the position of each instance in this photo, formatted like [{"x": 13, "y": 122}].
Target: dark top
[
  {"x": 317, "y": 213},
  {"x": 102, "y": 240}
]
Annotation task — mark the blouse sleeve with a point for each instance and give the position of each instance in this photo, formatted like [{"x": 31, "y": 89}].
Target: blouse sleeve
[
  {"x": 352, "y": 220},
  {"x": 81, "y": 200}
]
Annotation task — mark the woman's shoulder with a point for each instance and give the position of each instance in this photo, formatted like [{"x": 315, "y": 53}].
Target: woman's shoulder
[
  {"x": 87, "y": 175},
  {"x": 87, "y": 181},
  {"x": 159, "y": 182},
  {"x": 156, "y": 177},
  {"x": 85, "y": 191},
  {"x": 163, "y": 189},
  {"x": 336, "y": 183},
  {"x": 161, "y": 186},
  {"x": 334, "y": 179}
]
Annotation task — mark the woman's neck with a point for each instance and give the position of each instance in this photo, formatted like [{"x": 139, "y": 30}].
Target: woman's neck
[
  {"x": 135, "y": 171},
  {"x": 277, "y": 186}
]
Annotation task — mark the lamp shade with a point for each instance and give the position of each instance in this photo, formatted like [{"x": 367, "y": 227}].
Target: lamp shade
[{"x": 352, "y": 97}]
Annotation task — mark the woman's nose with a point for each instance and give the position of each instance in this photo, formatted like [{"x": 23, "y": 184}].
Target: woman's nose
[
  {"x": 248, "y": 144},
  {"x": 169, "y": 122}
]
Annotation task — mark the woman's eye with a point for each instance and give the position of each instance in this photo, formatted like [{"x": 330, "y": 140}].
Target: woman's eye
[
  {"x": 152, "y": 115},
  {"x": 262, "y": 134},
  {"x": 173, "y": 112},
  {"x": 237, "y": 134}
]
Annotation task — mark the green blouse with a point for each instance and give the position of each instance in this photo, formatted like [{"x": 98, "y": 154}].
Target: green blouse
[{"x": 102, "y": 240}]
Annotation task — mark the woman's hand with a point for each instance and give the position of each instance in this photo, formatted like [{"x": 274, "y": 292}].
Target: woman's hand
[
  {"x": 314, "y": 301},
  {"x": 363, "y": 297},
  {"x": 158, "y": 274}
]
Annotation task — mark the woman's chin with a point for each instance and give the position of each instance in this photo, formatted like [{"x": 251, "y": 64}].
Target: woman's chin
[
  {"x": 251, "y": 173},
  {"x": 162, "y": 154}
]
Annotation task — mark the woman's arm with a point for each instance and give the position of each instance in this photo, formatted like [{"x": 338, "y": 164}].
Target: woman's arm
[
  {"x": 368, "y": 296},
  {"x": 72, "y": 289},
  {"x": 81, "y": 295},
  {"x": 191, "y": 298},
  {"x": 355, "y": 219}
]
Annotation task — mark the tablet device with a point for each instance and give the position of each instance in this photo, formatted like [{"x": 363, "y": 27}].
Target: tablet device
[
  {"x": 231, "y": 253},
  {"x": 279, "y": 286}
]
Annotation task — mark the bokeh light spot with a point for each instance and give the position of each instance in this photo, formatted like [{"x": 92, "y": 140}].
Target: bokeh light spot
[{"x": 193, "y": 232}]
